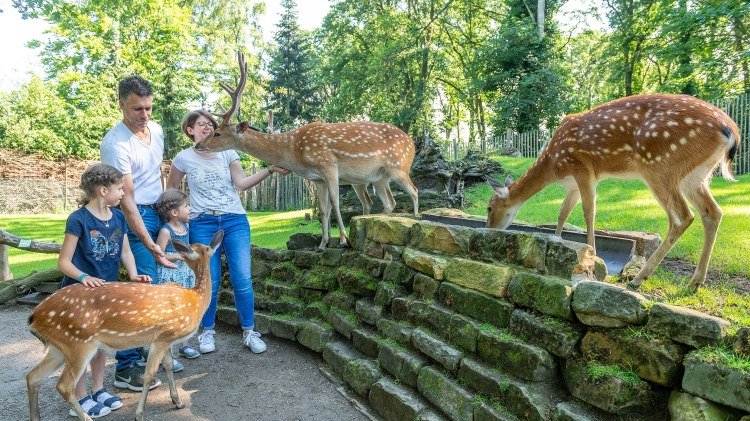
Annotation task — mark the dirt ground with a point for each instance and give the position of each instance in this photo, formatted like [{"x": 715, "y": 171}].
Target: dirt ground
[{"x": 284, "y": 383}]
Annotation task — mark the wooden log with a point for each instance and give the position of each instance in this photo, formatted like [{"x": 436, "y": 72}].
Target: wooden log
[
  {"x": 20, "y": 286},
  {"x": 28, "y": 245}
]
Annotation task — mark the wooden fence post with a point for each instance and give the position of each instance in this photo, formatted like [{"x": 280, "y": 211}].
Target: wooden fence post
[{"x": 5, "y": 273}]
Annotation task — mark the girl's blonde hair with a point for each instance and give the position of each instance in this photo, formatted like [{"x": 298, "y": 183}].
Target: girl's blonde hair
[
  {"x": 192, "y": 117},
  {"x": 169, "y": 200},
  {"x": 95, "y": 176}
]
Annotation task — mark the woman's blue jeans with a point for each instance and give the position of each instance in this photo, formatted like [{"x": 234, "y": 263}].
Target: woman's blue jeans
[
  {"x": 145, "y": 265},
  {"x": 236, "y": 247}
]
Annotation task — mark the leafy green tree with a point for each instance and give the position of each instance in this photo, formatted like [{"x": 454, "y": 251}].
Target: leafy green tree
[{"x": 292, "y": 88}]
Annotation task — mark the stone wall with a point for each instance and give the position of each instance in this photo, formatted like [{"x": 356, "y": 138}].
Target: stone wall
[{"x": 426, "y": 321}]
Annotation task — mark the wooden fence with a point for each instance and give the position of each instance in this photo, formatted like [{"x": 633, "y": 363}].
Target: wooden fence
[
  {"x": 277, "y": 193},
  {"x": 529, "y": 144}
]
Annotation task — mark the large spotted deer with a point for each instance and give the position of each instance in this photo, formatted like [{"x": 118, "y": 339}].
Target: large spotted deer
[
  {"x": 328, "y": 154},
  {"x": 76, "y": 321},
  {"x": 671, "y": 142}
]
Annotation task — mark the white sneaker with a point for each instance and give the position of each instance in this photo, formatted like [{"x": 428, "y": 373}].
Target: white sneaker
[
  {"x": 207, "y": 343},
  {"x": 252, "y": 340}
]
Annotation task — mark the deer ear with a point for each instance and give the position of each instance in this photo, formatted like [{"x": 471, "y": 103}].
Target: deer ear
[
  {"x": 184, "y": 250},
  {"x": 508, "y": 181},
  {"x": 500, "y": 189},
  {"x": 216, "y": 240}
]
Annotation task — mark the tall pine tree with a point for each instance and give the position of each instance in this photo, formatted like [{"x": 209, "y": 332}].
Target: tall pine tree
[{"x": 293, "y": 96}]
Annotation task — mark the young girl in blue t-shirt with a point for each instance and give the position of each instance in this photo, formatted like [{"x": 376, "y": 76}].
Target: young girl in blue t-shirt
[
  {"x": 174, "y": 208},
  {"x": 95, "y": 243}
]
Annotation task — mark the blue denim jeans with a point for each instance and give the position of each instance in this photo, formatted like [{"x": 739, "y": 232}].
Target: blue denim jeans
[
  {"x": 145, "y": 265},
  {"x": 236, "y": 247}
]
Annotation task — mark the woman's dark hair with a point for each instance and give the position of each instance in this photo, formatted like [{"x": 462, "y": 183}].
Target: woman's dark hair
[
  {"x": 133, "y": 85},
  {"x": 95, "y": 176},
  {"x": 169, "y": 200},
  {"x": 192, "y": 117}
]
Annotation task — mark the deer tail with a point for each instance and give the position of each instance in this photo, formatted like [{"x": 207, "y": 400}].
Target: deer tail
[{"x": 733, "y": 139}]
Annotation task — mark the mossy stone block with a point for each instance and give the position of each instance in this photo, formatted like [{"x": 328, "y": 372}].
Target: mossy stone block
[
  {"x": 390, "y": 230},
  {"x": 475, "y": 304},
  {"x": 490, "y": 279},
  {"x": 314, "y": 335},
  {"x": 546, "y": 295},
  {"x": 441, "y": 391}
]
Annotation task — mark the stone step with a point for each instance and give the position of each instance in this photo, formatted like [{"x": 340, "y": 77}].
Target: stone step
[
  {"x": 394, "y": 402},
  {"x": 367, "y": 341},
  {"x": 443, "y": 392},
  {"x": 403, "y": 363},
  {"x": 516, "y": 357}
]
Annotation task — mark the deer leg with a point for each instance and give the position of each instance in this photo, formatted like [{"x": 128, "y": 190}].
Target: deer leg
[
  {"x": 155, "y": 355},
  {"x": 324, "y": 205},
  {"x": 364, "y": 198},
  {"x": 333, "y": 194},
  {"x": 587, "y": 191},
  {"x": 53, "y": 360},
  {"x": 680, "y": 218},
  {"x": 75, "y": 367},
  {"x": 384, "y": 194},
  {"x": 167, "y": 361},
  {"x": 402, "y": 179},
  {"x": 711, "y": 215},
  {"x": 571, "y": 200}
]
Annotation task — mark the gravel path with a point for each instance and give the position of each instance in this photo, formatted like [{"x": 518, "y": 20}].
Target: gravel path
[{"x": 284, "y": 383}]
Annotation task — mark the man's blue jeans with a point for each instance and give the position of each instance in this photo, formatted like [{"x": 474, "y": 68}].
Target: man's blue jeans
[
  {"x": 236, "y": 247},
  {"x": 145, "y": 265}
]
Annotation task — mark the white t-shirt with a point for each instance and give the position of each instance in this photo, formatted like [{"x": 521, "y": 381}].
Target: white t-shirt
[
  {"x": 126, "y": 152},
  {"x": 210, "y": 181}
]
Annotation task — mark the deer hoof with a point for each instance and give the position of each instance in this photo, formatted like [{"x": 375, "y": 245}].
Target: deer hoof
[
  {"x": 319, "y": 249},
  {"x": 179, "y": 405},
  {"x": 632, "y": 285},
  {"x": 694, "y": 285},
  {"x": 344, "y": 246}
]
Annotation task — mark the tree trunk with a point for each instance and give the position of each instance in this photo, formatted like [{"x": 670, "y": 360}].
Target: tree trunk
[
  {"x": 540, "y": 17},
  {"x": 20, "y": 286}
]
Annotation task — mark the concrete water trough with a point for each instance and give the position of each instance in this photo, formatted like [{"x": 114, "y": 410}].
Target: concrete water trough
[{"x": 615, "y": 251}]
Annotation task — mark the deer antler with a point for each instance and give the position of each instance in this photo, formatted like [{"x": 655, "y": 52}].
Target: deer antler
[{"x": 235, "y": 94}]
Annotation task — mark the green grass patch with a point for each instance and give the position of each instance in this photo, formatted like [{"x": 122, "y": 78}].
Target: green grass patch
[
  {"x": 640, "y": 332},
  {"x": 598, "y": 371},
  {"x": 724, "y": 356}
]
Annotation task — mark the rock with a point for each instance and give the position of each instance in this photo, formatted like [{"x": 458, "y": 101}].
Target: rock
[
  {"x": 741, "y": 343},
  {"x": 314, "y": 335},
  {"x": 475, "y": 304},
  {"x": 446, "y": 355},
  {"x": 303, "y": 241},
  {"x": 394, "y": 402},
  {"x": 366, "y": 341},
  {"x": 710, "y": 377},
  {"x": 614, "y": 393},
  {"x": 361, "y": 374},
  {"x": 402, "y": 363},
  {"x": 559, "y": 337},
  {"x": 687, "y": 407},
  {"x": 526, "y": 401},
  {"x": 451, "y": 398},
  {"x": 658, "y": 360},
  {"x": 440, "y": 238},
  {"x": 395, "y": 331},
  {"x": 551, "y": 296},
  {"x": 425, "y": 287},
  {"x": 606, "y": 305},
  {"x": 429, "y": 264},
  {"x": 342, "y": 322},
  {"x": 490, "y": 279},
  {"x": 686, "y": 326},
  {"x": 516, "y": 357},
  {"x": 390, "y": 230}
]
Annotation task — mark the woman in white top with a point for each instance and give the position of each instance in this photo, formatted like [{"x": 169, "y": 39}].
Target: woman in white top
[{"x": 213, "y": 179}]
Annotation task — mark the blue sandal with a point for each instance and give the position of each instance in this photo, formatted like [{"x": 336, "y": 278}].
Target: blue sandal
[
  {"x": 91, "y": 407},
  {"x": 104, "y": 398}
]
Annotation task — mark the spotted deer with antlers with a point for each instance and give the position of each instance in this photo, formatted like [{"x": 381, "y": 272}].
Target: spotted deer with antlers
[
  {"x": 328, "y": 154},
  {"x": 76, "y": 321},
  {"x": 671, "y": 142}
]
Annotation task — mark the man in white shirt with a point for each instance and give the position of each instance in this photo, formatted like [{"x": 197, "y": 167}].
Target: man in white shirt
[{"x": 135, "y": 146}]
